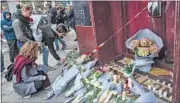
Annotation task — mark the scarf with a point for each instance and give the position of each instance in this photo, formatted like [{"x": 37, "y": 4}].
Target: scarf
[{"x": 20, "y": 62}]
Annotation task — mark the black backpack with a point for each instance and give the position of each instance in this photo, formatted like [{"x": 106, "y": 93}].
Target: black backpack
[{"x": 9, "y": 73}]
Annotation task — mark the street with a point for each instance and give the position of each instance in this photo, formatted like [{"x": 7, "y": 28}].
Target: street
[{"x": 8, "y": 94}]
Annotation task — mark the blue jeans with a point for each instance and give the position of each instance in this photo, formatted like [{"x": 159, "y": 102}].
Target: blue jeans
[
  {"x": 45, "y": 54},
  {"x": 62, "y": 41},
  {"x": 56, "y": 44},
  {"x": 19, "y": 44}
]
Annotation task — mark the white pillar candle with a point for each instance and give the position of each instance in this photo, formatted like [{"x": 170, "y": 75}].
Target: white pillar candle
[
  {"x": 165, "y": 94},
  {"x": 160, "y": 93},
  {"x": 169, "y": 85}
]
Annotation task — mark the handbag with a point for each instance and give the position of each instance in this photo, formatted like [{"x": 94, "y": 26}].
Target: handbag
[{"x": 9, "y": 73}]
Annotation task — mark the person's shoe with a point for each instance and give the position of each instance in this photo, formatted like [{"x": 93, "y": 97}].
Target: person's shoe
[
  {"x": 75, "y": 39},
  {"x": 47, "y": 88},
  {"x": 63, "y": 47},
  {"x": 28, "y": 96},
  {"x": 51, "y": 68}
]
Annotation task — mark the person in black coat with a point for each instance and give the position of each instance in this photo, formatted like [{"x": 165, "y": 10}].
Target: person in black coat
[
  {"x": 70, "y": 16},
  {"x": 50, "y": 33}
]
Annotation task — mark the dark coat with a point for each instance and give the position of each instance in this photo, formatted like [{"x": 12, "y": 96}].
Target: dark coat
[
  {"x": 22, "y": 29},
  {"x": 51, "y": 16},
  {"x": 48, "y": 36}
]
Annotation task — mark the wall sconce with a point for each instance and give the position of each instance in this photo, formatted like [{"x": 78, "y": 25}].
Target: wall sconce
[{"x": 154, "y": 8}]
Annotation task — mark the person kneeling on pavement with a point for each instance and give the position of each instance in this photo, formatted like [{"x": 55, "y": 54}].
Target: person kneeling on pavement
[{"x": 28, "y": 77}]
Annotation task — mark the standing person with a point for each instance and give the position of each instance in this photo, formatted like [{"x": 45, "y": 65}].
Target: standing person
[
  {"x": 70, "y": 17},
  {"x": 6, "y": 26},
  {"x": 22, "y": 28},
  {"x": 28, "y": 77},
  {"x": 51, "y": 14},
  {"x": 61, "y": 16}
]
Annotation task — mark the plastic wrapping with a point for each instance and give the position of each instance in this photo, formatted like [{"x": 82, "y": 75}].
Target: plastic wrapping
[
  {"x": 146, "y": 33},
  {"x": 137, "y": 88},
  {"x": 78, "y": 84},
  {"x": 61, "y": 82},
  {"x": 148, "y": 97},
  {"x": 148, "y": 60}
]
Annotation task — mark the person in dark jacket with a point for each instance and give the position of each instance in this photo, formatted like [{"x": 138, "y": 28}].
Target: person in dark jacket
[
  {"x": 49, "y": 34},
  {"x": 22, "y": 28},
  {"x": 6, "y": 26},
  {"x": 51, "y": 15},
  {"x": 61, "y": 16},
  {"x": 70, "y": 16}
]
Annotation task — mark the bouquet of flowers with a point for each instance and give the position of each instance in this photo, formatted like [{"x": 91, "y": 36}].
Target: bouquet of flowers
[
  {"x": 128, "y": 70},
  {"x": 146, "y": 46},
  {"x": 145, "y": 43},
  {"x": 143, "y": 47}
]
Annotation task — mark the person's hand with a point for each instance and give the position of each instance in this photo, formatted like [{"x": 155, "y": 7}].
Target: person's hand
[
  {"x": 5, "y": 26},
  {"x": 61, "y": 34},
  {"x": 38, "y": 43},
  {"x": 62, "y": 60},
  {"x": 42, "y": 77}
]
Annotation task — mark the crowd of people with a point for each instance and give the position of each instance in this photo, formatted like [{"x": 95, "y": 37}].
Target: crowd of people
[{"x": 27, "y": 34}]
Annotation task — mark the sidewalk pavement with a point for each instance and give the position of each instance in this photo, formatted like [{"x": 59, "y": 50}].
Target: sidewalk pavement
[{"x": 8, "y": 94}]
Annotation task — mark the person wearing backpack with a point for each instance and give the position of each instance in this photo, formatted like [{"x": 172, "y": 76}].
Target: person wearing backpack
[{"x": 29, "y": 77}]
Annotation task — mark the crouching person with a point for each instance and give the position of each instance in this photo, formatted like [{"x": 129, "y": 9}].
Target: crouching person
[{"x": 28, "y": 77}]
